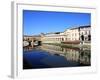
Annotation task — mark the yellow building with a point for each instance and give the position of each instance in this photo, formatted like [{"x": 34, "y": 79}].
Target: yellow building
[{"x": 56, "y": 37}]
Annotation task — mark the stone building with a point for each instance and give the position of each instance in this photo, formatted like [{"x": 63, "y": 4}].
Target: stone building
[
  {"x": 72, "y": 34},
  {"x": 85, "y": 33},
  {"x": 56, "y": 37},
  {"x": 76, "y": 34}
]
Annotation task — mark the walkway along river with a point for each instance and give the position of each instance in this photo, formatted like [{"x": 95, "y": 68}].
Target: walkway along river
[{"x": 53, "y": 56}]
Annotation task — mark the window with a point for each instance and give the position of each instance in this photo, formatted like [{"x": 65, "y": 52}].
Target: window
[{"x": 85, "y": 32}]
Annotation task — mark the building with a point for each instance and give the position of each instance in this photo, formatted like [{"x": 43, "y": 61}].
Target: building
[
  {"x": 72, "y": 35},
  {"x": 28, "y": 38},
  {"x": 56, "y": 37},
  {"x": 85, "y": 33}
]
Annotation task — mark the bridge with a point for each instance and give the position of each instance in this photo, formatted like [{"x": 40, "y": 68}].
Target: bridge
[{"x": 31, "y": 40}]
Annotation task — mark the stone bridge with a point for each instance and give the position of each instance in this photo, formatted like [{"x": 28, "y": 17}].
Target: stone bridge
[{"x": 31, "y": 40}]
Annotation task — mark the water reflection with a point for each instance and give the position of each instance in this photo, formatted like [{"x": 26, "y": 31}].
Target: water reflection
[
  {"x": 71, "y": 54},
  {"x": 56, "y": 56}
]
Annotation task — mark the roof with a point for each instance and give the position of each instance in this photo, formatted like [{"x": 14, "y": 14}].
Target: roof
[
  {"x": 84, "y": 26},
  {"x": 27, "y": 36},
  {"x": 78, "y": 27}
]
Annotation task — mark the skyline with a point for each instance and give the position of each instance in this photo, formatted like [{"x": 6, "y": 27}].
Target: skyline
[{"x": 36, "y": 22}]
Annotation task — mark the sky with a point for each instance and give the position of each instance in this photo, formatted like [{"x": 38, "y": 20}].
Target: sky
[{"x": 37, "y": 22}]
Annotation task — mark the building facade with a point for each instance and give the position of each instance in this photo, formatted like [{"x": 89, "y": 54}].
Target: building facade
[
  {"x": 76, "y": 34},
  {"x": 85, "y": 33},
  {"x": 53, "y": 37},
  {"x": 72, "y": 34}
]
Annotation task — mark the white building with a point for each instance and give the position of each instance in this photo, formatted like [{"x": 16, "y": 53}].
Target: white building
[
  {"x": 53, "y": 37},
  {"x": 85, "y": 33},
  {"x": 72, "y": 34},
  {"x": 76, "y": 34}
]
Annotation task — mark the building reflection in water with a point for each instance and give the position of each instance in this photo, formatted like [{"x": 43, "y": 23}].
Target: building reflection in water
[
  {"x": 82, "y": 56},
  {"x": 71, "y": 54}
]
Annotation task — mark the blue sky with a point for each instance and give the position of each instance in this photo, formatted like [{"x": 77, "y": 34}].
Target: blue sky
[{"x": 36, "y": 22}]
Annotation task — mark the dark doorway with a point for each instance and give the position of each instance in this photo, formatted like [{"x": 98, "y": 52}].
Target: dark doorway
[
  {"x": 39, "y": 43},
  {"x": 89, "y": 37},
  {"x": 82, "y": 37}
]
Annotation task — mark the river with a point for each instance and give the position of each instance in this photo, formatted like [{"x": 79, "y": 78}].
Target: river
[{"x": 51, "y": 56}]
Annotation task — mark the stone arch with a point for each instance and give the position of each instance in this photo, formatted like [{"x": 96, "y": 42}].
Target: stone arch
[
  {"x": 89, "y": 37},
  {"x": 82, "y": 37}
]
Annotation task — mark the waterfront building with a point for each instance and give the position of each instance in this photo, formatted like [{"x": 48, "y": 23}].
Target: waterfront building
[
  {"x": 81, "y": 34},
  {"x": 73, "y": 35},
  {"x": 85, "y": 33},
  {"x": 28, "y": 38},
  {"x": 56, "y": 37}
]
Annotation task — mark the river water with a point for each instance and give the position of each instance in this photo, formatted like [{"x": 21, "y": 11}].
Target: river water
[{"x": 51, "y": 56}]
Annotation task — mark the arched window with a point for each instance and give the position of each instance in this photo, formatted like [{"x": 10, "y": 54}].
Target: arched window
[
  {"x": 62, "y": 39},
  {"x": 82, "y": 37},
  {"x": 89, "y": 37}
]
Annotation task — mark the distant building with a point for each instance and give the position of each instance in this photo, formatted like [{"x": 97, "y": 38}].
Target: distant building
[
  {"x": 28, "y": 38},
  {"x": 56, "y": 37}
]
